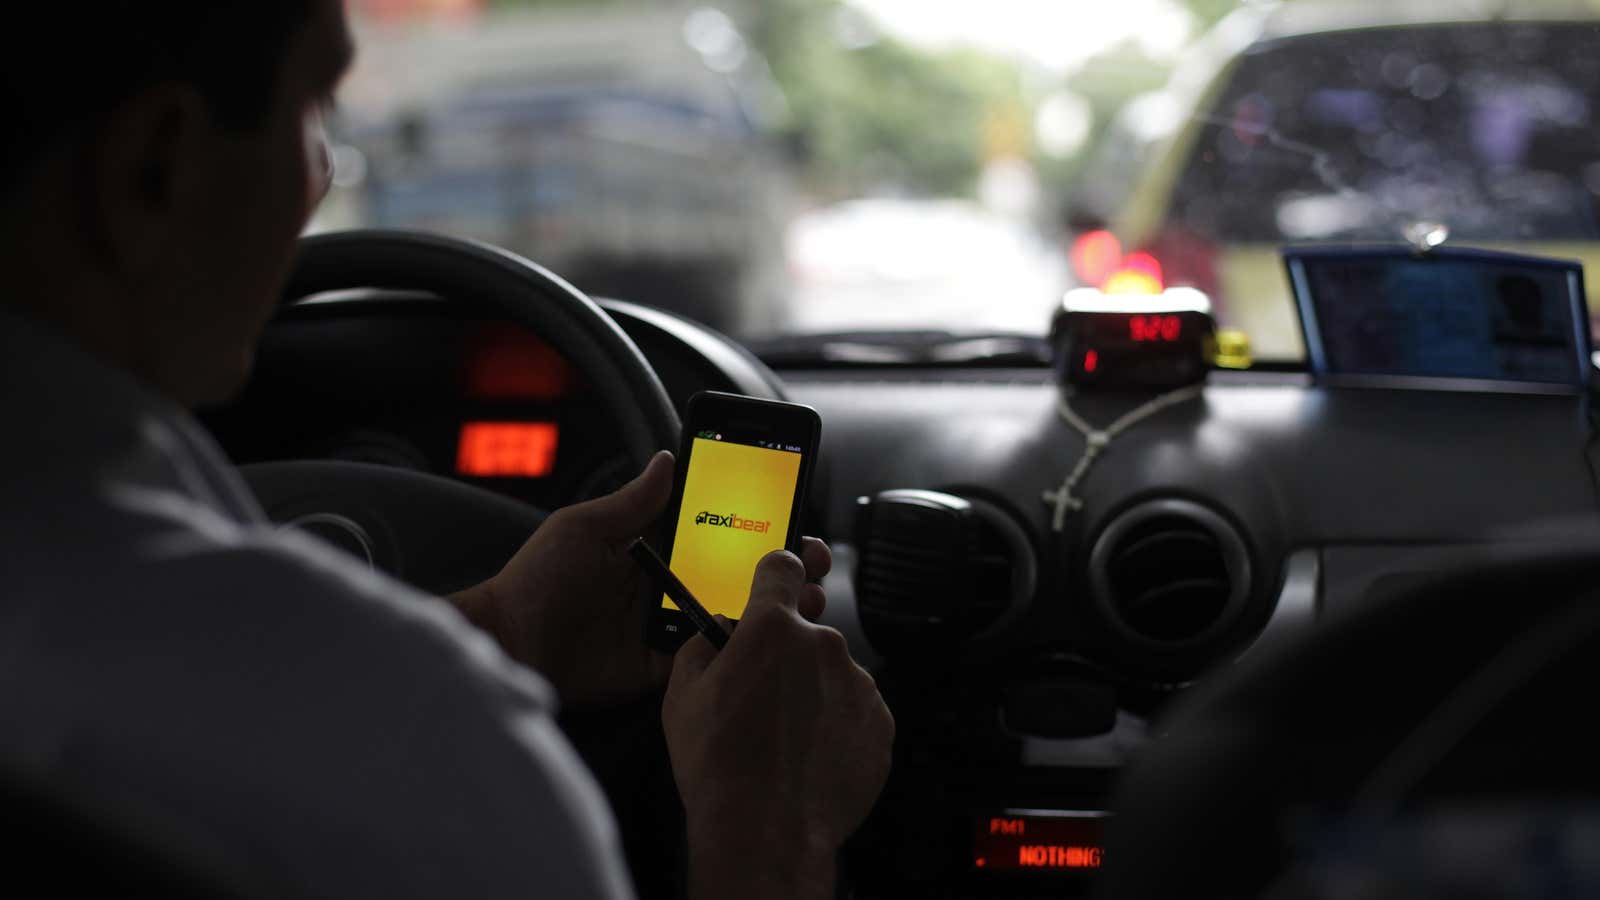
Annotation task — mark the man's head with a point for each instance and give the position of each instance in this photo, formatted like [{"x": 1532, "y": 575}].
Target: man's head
[{"x": 159, "y": 162}]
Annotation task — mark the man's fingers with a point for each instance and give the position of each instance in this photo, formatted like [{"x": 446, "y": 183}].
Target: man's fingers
[
  {"x": 813, "y": 602},
  {"x": 816, "y": 556},
  {"x": 635, "y": 505},
  {"x": 779, "y": 579},
  {"x": 692, "y": 659},
  {"x": 660, "y": 668}
]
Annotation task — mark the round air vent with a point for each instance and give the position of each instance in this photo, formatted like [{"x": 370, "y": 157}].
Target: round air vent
[
  {"x": 936, "y": 569},
  {"x": 1170, "y": 574}
]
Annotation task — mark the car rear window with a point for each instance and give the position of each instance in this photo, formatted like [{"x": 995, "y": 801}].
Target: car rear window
[{"x": 1490, "y": 129}]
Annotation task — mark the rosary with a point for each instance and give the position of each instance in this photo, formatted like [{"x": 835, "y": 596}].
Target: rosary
[{"x": 1095, "y": 443}]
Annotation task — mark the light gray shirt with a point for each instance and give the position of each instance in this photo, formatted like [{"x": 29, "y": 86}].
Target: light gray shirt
[{"x": 329, "y": 730}]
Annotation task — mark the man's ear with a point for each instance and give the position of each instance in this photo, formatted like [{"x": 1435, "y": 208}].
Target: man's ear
[{"x": 148, "y": 165}]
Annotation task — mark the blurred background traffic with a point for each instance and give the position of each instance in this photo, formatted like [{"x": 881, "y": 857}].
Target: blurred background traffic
[{"x": 803, "y": 166}]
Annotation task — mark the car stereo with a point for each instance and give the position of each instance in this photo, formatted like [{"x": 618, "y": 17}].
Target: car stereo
[
  {"x": 1039, "y": 840},
  {"x": 1446, "y": 318}
]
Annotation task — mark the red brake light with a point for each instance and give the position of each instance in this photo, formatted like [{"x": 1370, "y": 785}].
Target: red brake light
[
  {"x": 1143, "y": 262},
  {"x": 1140, "y": 273},
  {"x": 1097, "y": 259},
  {"x": 1095, "y": 255}
]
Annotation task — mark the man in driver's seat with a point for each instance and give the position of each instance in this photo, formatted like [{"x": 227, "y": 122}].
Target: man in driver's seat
[{"x": 324, "y": 729}]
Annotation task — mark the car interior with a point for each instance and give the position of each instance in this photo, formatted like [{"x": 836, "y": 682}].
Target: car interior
[
  {"x": 1149, "y": 623},
  {"x": 1268, "y": 557}
]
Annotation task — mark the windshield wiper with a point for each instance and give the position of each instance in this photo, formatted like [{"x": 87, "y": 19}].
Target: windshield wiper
[{"x": 903, "y": 348}]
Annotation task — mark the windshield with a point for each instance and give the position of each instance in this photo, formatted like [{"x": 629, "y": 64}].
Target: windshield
[{"x": 782, "y": 168}]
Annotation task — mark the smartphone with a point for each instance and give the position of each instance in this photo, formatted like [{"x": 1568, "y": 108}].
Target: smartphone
[{"x": 742, "y": 473}]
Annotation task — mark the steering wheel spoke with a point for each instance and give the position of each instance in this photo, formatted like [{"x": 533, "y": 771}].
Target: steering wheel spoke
[{"x": 436, "y": 534}]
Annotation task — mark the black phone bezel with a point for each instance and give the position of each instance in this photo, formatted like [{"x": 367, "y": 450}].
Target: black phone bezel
[{"x": 667, "y": 629}]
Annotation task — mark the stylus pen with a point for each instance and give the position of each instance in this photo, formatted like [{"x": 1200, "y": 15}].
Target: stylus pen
[{"x": 646, "y": 556}]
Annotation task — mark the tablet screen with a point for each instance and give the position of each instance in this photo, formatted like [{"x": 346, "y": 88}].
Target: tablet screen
[{"x": 1483, "y": 317}]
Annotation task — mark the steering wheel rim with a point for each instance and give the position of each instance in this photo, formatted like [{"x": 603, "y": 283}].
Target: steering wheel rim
[
  {"x": 470, "y": 271},
  {"x": 441, "y": 535},
  {"x": 437, "y": 533}
]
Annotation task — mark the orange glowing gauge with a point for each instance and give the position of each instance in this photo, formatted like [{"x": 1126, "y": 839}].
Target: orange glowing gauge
[
  {"x": 506, "y": 363},
  {"x": 507, "y": 449}
]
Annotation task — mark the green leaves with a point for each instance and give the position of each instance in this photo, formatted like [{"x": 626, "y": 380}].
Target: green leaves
[{"x": 881, "y": 114}]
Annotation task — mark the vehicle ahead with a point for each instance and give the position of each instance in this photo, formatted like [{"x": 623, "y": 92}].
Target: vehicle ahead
[
  {"x": 587, "y": 141},
  {"x": 1322, "y": 123}
]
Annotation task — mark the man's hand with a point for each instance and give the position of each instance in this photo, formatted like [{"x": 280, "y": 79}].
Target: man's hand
[
  {"x": 571, "y": 604},
  {"x": 780, "y": 745}
]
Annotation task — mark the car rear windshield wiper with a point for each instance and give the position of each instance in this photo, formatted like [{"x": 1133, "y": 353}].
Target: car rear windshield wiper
[{"x": 903, "y": 348}]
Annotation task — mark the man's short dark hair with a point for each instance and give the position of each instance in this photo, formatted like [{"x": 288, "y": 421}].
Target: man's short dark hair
[{"x": 68, "y": 63}]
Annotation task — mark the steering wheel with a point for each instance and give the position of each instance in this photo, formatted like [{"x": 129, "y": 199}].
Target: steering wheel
[
  {"x": 435, "y": 533},
  {"x": 442, "y": 535}
]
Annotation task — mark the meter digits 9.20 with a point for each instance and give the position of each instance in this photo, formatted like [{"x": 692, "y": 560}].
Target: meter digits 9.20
[{"x": 1153, "y": 342}]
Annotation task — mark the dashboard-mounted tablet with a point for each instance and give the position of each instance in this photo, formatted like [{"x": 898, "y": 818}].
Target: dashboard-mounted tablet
[{"x": 1453, "y": 319}]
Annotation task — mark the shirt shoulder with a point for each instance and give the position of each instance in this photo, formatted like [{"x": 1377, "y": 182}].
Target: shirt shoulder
[
  {"x": 163, "y": 648},
  {"x": 359, "y": 737}
]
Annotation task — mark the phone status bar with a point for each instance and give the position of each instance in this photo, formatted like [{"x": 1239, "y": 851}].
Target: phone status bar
[{"x": 713, "y": 435}]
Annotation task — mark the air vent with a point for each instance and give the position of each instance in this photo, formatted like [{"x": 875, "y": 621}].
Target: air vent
[
  {"x": 1170, "y": 574},
  {"x": 936, "y": 569}
]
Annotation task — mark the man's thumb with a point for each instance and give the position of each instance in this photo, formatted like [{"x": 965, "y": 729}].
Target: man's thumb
[
  {"x": 779, "y": 579},
  {"x": 635, "y": 505}
]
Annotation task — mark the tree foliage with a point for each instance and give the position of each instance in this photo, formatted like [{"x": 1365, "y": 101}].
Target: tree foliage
[
  {"x": 875, "y": 113},
  {"x": 871, "y": 113}
]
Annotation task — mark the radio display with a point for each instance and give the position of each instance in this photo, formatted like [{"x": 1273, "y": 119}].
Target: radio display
[{"x": 1039, "y": 840}]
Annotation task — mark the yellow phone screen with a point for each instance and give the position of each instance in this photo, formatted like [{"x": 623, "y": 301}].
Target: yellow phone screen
[{"x": 736, "y": 504}]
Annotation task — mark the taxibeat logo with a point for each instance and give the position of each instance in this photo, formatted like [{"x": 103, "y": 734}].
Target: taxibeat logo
[
  {"x": 736, "y": 508},
  {"x": 732, "y": 521}
]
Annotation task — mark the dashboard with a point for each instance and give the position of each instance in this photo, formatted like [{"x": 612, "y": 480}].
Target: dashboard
[
  {"x": 417, "y": 388},
  {"x": 1026, "y": 663},
  {"x": 1326, "y": 493}
]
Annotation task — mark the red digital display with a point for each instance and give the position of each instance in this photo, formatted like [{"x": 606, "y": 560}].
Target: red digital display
[
  {"x": 507, "y": 363},
  {"x": 1039, "y": 840},
  {"x": 1155, "y": 328},
  {"x": 507, "y": 449}
]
